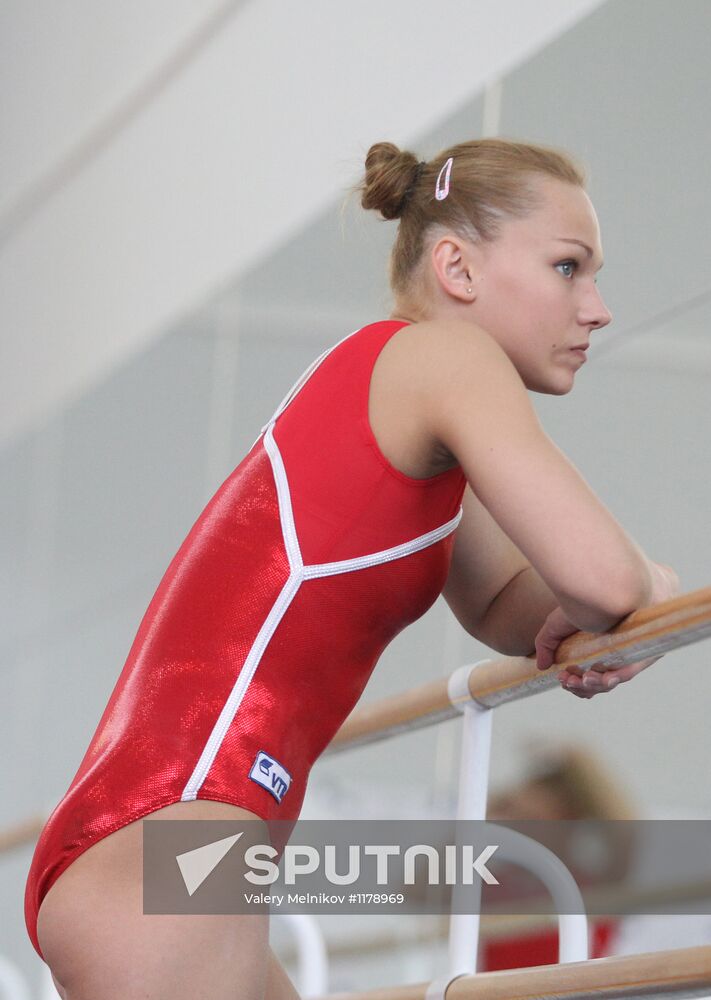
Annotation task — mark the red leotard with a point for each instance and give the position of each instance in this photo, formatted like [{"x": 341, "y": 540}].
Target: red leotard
[{"x": 261, "y": 636}]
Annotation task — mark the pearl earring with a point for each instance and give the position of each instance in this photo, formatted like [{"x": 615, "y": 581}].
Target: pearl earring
[{"x": 469, "y": 291}]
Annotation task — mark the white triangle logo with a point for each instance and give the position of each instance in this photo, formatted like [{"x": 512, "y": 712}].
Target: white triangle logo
[{"x": 196, "y": 865}]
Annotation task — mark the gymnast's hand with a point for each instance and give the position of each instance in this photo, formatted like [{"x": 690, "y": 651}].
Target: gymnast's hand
[
  {"x": 582, "y": 683},
  {"x": 598, "y": 679}
]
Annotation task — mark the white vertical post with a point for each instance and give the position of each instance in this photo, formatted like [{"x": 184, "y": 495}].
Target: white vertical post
[
  {"x": 491, "y": 119},
  {"x": 471, "y": 805},
  {"x": 473, "y": 791}
]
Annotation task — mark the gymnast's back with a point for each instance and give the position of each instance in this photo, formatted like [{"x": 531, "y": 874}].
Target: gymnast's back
[{"x": 308, "y": 560}]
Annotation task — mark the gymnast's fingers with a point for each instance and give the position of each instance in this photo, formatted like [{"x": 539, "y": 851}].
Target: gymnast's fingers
[{"x": 590, "y": 683}]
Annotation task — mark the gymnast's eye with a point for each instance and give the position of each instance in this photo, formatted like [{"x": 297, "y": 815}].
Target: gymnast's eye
[{"x": 569, "y": 263}]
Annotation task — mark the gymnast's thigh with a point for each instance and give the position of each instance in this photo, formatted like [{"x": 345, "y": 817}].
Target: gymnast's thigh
[{"x": 100, "y": 945}]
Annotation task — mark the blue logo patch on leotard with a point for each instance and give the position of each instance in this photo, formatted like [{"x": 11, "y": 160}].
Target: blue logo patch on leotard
[{"x": 270, "y": 774}]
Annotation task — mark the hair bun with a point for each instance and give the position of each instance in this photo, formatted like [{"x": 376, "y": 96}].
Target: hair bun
[{"x": 390, "y": 175}]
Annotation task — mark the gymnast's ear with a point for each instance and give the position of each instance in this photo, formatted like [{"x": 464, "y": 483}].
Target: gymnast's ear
[{"x": 456, "y": 265}]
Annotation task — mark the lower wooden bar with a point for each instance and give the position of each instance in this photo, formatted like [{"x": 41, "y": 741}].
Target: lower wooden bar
[{"x": 684, "y": 972}]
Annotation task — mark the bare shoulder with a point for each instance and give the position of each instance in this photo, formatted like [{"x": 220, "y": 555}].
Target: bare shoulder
[
  {"x": 452, "y": 334},
  {"x": 456, "y": 364},
  {"x": 433, "y": 381},
  {"x": 468, "y": 389},
  {"x": 438, "y": 350},
  {"x": 411, "y": 375}
]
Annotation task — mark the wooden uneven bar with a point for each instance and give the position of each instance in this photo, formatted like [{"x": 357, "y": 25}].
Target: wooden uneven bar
[
  {"x": 684, "y": 972},
  {"x": 648, "y": 632}
]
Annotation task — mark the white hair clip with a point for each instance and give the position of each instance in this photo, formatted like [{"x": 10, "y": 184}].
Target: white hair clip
[{"x": 442, "y": 187}]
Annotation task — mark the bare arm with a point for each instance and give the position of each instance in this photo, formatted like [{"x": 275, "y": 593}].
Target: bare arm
[
  {"x": 474, "y": 403},
  {"x": 494, "y": 592},
  {"x": 522, "y": 613},
  {"x": 517, "y": 615}
]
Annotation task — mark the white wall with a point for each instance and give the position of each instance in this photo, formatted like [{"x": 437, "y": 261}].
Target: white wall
[
  {"x": 67, "y": 67},
  {"x": 187, "y": 178}
]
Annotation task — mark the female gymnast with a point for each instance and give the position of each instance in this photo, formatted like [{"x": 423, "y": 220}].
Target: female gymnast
[{"x": 407, "y": 462}]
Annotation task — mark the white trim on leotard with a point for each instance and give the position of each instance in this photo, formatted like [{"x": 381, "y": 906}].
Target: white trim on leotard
[
  {"x": 384, "y": 555},
  {"x": 301, "y": 381},
  {"x": 286, "y": 511},
  {"x": 244, "y": 678},
  {"x": 298, "y": 573}
]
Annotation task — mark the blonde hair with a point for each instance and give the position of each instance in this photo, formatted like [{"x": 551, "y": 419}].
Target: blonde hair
[{"x": 491, "y": 180}]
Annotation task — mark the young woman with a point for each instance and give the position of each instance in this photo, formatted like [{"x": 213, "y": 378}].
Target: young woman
[{"x": 407, "y": 462}]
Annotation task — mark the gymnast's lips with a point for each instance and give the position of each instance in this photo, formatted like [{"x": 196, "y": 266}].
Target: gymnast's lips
[{"x": 579, "y": 352}]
